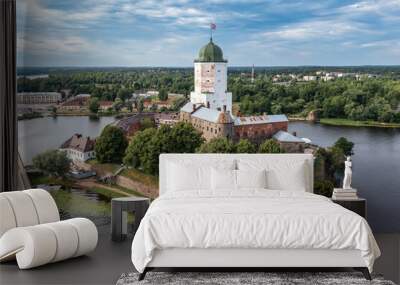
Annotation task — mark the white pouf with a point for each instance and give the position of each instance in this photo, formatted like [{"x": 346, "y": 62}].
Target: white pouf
[{"x": 31, "y": 230}]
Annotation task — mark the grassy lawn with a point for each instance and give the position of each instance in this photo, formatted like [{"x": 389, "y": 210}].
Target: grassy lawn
[
  {"x": 129, "y": 191},
  {"x": 351, "y": 123},
  {"x": 134, "y": 174},
  {"x": 146, "y": 179},
  {"x": 105, "y": 192},
  {"x": 109, "y": 167},
  {"x": 43, "y": 179}
]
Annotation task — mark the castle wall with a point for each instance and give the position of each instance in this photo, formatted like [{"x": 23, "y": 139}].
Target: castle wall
[
  {"x": 208, "y": 129},
  {"x": 257, "y": 133},
  {"x": 292, "y": 147}
]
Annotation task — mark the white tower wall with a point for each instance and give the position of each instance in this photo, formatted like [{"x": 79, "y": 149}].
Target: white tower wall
[{"x": 211, "y": 83}]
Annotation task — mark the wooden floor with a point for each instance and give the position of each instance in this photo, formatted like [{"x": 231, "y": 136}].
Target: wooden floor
[{"x": 111, "y": 259}]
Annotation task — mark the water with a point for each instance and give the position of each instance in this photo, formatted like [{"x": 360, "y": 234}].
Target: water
[
  {"x": 376, "y": 163},
  {"x": 41, "y": 134},
  {"x": 73, "y": 203},
  {"x": 376, "y": 168}
]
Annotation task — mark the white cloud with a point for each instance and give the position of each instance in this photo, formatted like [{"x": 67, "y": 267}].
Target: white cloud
[{"x": 316, "y": 29}]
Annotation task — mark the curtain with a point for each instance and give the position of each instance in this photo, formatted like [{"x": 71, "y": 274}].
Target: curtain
[{"x": 8, "y": 118}]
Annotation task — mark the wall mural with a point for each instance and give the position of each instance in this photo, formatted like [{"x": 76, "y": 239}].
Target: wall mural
[{"x": 96, "y": 109}]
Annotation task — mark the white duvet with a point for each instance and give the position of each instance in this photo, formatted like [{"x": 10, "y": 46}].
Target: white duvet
[{"x": 250, "y": 219}]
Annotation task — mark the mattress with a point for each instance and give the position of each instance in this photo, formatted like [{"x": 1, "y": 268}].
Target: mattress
[{"x": 250, "y": 219}]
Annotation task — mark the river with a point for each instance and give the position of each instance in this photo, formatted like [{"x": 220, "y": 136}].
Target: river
[
  {"x": 376, "y": 163},
  {"x": 376, "y": 167},
  {"x": 41, "y": 134}
]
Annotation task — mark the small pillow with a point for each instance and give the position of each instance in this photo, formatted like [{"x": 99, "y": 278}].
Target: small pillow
[
  {"x": 183, "y": 178},
  {"x": 189, "y": 174},
  {"x": 251, "y": 178},
  {"x": 223, "y": 179}
]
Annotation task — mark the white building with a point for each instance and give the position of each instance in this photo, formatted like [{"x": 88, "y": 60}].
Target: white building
[
  {"x": 211, "y": 79},
  {"x": 79, "y": 148},
  {"x": 39, "y": 97}
]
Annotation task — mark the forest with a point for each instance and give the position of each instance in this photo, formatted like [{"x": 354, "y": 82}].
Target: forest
[{"x": 368, "y": 99}]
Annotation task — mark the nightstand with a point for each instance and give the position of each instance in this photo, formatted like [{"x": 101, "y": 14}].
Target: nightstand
[
  {"x": 358, "y": 206},
  {"x": 119, "y": 215}
]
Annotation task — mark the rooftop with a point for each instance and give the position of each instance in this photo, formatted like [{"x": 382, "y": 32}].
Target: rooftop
[
  {"x": 39, "y": 94},
  {"x": 287, "y": 137},
  {"x": 206, "y": 114},
  {"x": 210, "y": 53},
  {"x": 188, "y": 107},
  {"x": 106, "y": 103},
  {"x": 80, "y": 143},
  {"x": 262, "y": 119}
]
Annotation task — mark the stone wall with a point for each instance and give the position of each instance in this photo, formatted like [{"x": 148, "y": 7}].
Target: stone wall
[
  {"x": 292, "y": 147},
  {"x": 258, "y": 133},
  {"x": 209, "y": 130}
]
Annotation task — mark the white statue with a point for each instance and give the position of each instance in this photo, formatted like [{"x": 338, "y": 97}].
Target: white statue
[{"x": 347, "y": 174}]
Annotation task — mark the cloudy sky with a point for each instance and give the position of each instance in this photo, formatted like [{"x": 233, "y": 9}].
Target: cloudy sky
[{"x": 170, "y": 33}]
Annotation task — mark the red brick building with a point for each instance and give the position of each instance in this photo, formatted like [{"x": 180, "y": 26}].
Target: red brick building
[{"x": 259, "y": 128}]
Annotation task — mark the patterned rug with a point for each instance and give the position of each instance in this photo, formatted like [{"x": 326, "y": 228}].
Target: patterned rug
[{"x": 243, "y": 278}]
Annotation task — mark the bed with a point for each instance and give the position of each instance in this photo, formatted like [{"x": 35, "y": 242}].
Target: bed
[{"x": 245, "y": 211}]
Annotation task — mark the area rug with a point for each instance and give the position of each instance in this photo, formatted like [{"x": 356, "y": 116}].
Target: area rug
[{"x": 244, "y": 278}]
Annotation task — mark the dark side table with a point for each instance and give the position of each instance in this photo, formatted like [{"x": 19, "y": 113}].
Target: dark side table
[
  {"x": 358, "y": 206},
  {"x": 119, "y": 215}
]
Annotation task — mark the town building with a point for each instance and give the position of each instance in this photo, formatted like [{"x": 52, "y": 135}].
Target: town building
[
  {"x": 290, "y": 142},
  {"x": 210, "y": 106},
  {"x": 132, "y": 124},
  {"x": 79, "y": 148},
  {"x": 77, "y": 103},
  {"x": 105, "y": 105},
  {"x": 39, "y": 98},
  {"x": 166, "y": 119}
]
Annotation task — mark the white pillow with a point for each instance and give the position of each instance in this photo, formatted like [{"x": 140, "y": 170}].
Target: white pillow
[
  {"x": 189, "y": 175},
  {"x": 282, "y": 174},
  {"x": 223, "y": 179},
  {"x": 289, "y": 176},
  {"x": 182, "y": 177},
  {"x": 251, "y": 178}
]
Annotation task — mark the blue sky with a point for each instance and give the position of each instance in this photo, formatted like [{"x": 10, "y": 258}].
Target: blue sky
[{"x": 170, "y": 33}]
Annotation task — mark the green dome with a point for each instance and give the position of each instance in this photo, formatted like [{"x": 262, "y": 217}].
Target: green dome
[{"x": 210, "y": 53}]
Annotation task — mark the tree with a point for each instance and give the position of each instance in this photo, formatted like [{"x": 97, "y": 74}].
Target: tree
[
  {"x": 146, "y": 146},
  {"x": 138, "y": 146},
  {"x": 94, "y": 105},
  {"x": 270, "y": 146},
  {"x": 345, "y": 145},
  {"x": 124, "y": 94},
  {"x": 245, "y": 146},
  {"x": 118, "y": 104},
  {"x": 139, "y": 105},
  {"x": 217, "y": 145},
  {"x": 163, "y": 95},
  {"x": 178, "y": 103},
  {"x": 323, "y": 187},
  {"x": 52, "y": 162},
  {"x": 146, "y": 123},
  {"x": 111, "y": 145},
  {"x": 184, "y": 138}
]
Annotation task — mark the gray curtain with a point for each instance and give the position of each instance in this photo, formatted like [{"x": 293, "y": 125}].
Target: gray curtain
[{"x": 8, "y": 119}]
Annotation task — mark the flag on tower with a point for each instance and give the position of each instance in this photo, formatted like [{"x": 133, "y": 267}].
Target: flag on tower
[{"x": 213, "y": 26}]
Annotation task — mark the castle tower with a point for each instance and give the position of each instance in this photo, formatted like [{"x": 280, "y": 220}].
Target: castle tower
[{"x": 211, "y": 79}]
